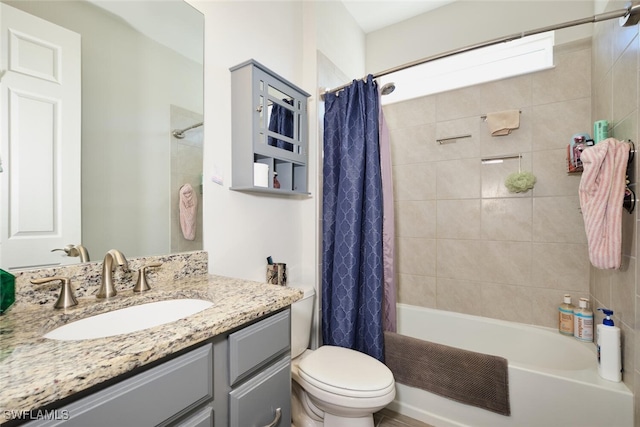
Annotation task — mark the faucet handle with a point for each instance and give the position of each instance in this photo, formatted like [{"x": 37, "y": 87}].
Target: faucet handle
[
  {"x": 66, "y": 299},
  {"x": 141, "y": 284}
]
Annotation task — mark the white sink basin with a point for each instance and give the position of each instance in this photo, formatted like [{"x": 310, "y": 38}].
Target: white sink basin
[{"x": 130, "y": 319}]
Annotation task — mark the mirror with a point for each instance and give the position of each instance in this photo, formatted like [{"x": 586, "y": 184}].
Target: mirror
[
  {"x": 142, "y": 78},
  {"x": 282, "y": 118}
]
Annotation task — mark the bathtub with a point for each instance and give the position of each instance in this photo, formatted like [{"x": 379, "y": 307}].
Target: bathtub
[{"x": 553, "y": 379}]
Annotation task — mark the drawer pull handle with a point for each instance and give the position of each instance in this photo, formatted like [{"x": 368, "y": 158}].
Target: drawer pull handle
[{"x": 276, "y": 420}]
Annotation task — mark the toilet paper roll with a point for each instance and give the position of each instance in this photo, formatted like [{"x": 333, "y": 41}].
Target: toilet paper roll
[{"x": 260, "y": 175}]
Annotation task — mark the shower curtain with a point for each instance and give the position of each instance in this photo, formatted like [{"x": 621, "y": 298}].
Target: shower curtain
[
  {"x": 281, "y": 121},
  {"x": 352, "y": 241}
]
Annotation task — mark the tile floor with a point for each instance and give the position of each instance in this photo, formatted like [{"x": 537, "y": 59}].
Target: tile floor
[{"x": 388, "y": 418}]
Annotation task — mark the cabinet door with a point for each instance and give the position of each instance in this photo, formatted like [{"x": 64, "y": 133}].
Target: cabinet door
[
  {"x": 258, "y": 402},
  {"x": 202, "y": 418},
  {"x": 257, "y": 345}
]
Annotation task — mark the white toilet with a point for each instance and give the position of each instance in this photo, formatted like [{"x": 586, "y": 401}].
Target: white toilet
[{"x": 333, "y": 386}]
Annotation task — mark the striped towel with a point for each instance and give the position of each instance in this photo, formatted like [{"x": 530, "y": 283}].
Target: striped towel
[{"x": 601, "y": 193}]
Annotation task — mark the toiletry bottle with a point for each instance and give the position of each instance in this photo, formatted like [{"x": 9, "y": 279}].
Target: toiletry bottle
[
  {"x": 609, "y": 353},
  {"x": 583, "y": 322},
  {"x": 565, "y": 316},
  {"x": 7, "y": 290}
]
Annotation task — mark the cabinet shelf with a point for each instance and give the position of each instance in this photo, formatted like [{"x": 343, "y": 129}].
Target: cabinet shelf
[{"x": 267, "y": 190}]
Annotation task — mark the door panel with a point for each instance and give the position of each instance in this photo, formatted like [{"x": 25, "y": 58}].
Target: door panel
[{"x": 39, "y": 140}]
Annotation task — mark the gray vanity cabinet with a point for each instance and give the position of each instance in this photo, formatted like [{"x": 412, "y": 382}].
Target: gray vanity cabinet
[
  {"x": 242, "y": 379},
  {"x": 269, "y": 129}
]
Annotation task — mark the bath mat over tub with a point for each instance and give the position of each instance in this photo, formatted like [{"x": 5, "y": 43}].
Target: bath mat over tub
[{"x": 468, "y": 377}]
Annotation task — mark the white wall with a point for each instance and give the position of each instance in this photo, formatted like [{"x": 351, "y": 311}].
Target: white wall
[
  {"x": 465, "y": 23},
  {"x": 242, "y": 229}
]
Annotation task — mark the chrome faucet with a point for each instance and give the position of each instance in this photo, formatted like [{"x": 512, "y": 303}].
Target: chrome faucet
[{"x": 113, "y": 257}]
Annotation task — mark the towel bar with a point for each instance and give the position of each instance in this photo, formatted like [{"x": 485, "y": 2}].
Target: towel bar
[
  {"x": 451, "y": 139},
  {"x": 484, "y": 116}
]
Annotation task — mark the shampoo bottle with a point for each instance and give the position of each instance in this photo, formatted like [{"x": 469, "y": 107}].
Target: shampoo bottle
[
  {"x": 583, "y": 322},
  {"x": 608, "y": 340},
  {"x": 565, "y": 316}
]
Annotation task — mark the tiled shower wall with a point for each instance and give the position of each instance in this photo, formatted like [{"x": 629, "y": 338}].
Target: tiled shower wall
[
  {"x": 615, "y": 98},
  {"x": 464, "y": 242}
]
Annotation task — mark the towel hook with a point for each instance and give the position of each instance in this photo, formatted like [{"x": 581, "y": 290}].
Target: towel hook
[{"x": 629, "y": 201}]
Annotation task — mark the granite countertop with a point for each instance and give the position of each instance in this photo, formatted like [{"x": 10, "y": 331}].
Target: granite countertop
[{"x": 35, "y": 371}]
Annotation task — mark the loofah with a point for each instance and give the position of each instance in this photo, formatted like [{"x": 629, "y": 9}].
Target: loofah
[{"x": 520, "y": 182}]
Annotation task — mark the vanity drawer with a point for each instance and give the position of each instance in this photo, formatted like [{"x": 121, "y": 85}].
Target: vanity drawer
[
  {"x": 255, "y": 346},
  {"x": 146, "y": 399},
  {"x": 264, "y": 398}
]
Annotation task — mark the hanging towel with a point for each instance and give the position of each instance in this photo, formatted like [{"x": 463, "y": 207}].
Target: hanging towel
[
  {"x": 601, "y": 195},
  {"x": 503, "y": 122},
  {"x": 188, "y": 210}
]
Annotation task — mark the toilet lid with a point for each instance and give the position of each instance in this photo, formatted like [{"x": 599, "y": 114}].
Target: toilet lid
[{"x": 346, "y": 372}]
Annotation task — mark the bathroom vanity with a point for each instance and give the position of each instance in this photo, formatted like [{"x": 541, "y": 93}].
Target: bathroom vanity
[{"x": 226, "y": 365}]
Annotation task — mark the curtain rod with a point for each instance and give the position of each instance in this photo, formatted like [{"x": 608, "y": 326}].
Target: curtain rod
[{"x": 631, "y": 15}]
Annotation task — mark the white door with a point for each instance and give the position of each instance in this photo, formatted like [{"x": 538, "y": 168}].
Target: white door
[{"x": 40, "y": 110}]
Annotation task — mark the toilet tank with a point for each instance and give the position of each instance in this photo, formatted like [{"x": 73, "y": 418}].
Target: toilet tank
[{"x": 301, "y": 318}]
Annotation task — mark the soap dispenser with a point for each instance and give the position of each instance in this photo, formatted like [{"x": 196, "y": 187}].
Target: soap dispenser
[
  {"x": 609, "y": 352},
  {"x": 565, "y": 316}
]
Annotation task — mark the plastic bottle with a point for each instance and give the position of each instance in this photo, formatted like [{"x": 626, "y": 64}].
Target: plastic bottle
[
  {"x": 583, "y": 322},
  {"x": 565, "y": 316},
  {"x": 609, "y": 352}
]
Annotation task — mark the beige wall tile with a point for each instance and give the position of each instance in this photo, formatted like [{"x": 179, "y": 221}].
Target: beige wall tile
[
  {"x": 623, "y": 287},
  {"x": 560, "y": 118},
  {"x": 552, "y": 179},
  {"x": 459, "y": 296},
  {"x": 507, "y": 219},
  {"x": 416, "y": 219},
  {"x": 507, "y": 302},
  {"x": 459, "y": 259},
  {"x": 455, "y": 104},
  {"x": 602, "y": 51},
  {"x": 558, "y": 219},
  {"x": 560, "y": 266},
  {"x": 416, "y": 256},
  {"x": 623, "y": 36},
  {"x": 505, "y": 262},
  {"x": 602, "y": 107},
  {"x": 570, "y": 79},
  {"x": 625, "y": 83},
  {"x": 628, "y": 355},
  {"x": 601, "y": 286},
  {"x": 417, "y": 290},
  {"x": 414, "y": 144},
  {"x": 458, "y": 219},
  {"x": 414, "y": 181},
  {"x": 507, "y": 94},
  {"x": 458, "y": 179},
  {"x": 414, "y": 112}
]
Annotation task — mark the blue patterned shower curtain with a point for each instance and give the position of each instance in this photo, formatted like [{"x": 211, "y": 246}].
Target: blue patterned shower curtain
[{"x": 352, "y": 265}]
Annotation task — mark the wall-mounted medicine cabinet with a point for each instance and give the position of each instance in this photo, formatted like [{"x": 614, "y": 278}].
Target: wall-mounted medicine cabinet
[{"x": 269, "y": 132}]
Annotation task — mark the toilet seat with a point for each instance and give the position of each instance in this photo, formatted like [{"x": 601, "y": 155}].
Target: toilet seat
[{"x": 346, "y": 372}]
